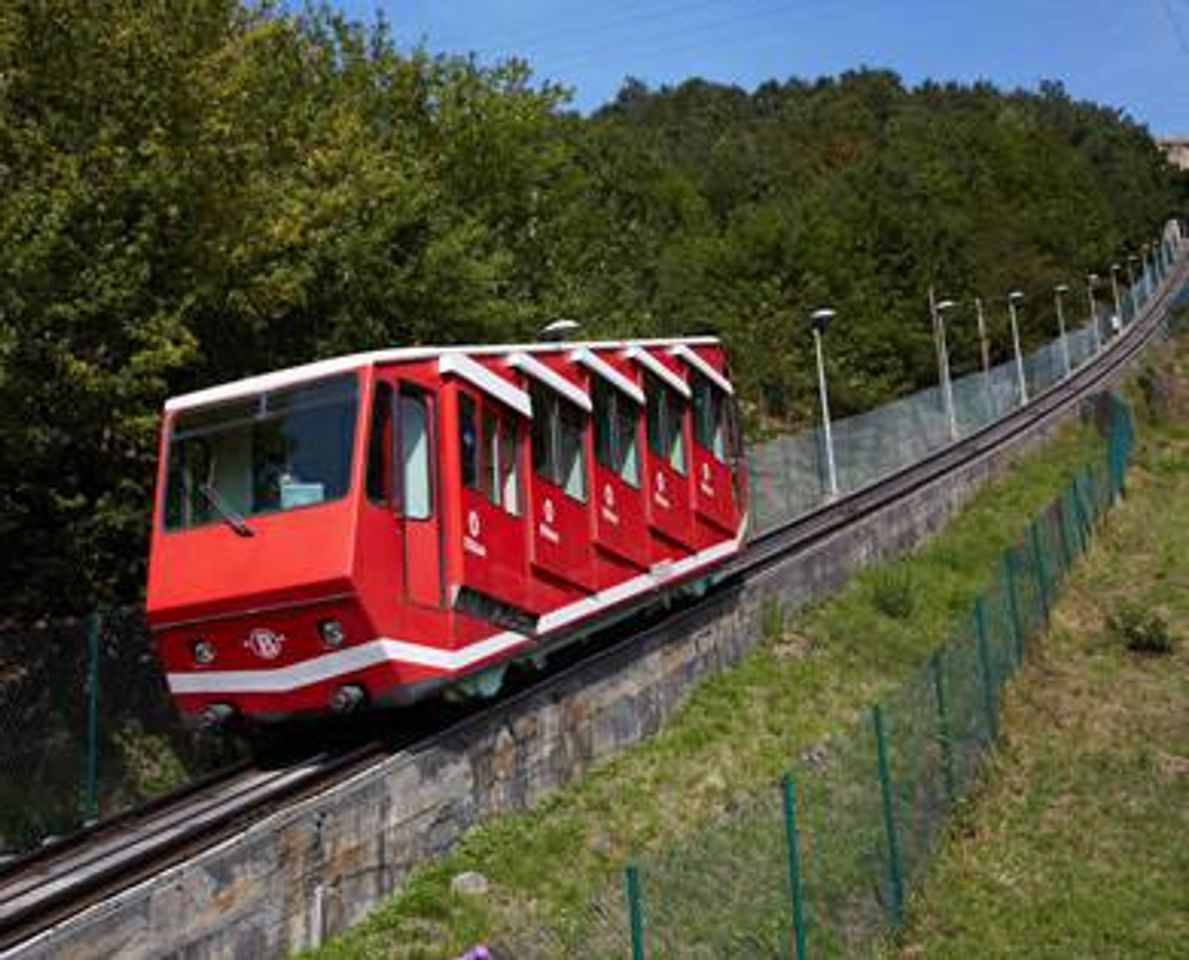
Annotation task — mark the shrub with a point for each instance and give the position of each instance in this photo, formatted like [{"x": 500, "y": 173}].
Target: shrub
[
  {"x": 891, "y": 592},
  {"x": 1141, "y": 630}
]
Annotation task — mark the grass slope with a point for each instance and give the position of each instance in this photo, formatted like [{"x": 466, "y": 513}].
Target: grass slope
[
  {"x": 734, "y": 735},
  {"x": 1078, "y": 843}
]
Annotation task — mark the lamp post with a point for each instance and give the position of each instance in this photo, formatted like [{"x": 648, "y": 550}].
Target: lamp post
[
  {"x": 1062, "y": 288},
  {"x": 943, "y": 364},
  {"x": 1115, "y": 292},
  {"x": 1131, "y": 261},
  {"x": 819, "y": 320},
  {"x": 1147, "y": 274},
  {"x": 1091, "y": 283},
  {"x": 985, "y": 352},
  {"x": 1015, "y": 342}
]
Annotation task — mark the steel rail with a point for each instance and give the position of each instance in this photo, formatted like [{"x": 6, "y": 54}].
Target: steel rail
[{"x": 45, "y": 887}]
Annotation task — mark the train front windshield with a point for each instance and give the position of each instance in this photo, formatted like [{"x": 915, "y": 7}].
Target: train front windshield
[{"x": 279, "y": 450}]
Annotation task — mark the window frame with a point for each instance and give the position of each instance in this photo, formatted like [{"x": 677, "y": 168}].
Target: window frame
[
  {"x": 548, "y": 434},
  {"x": 665, "y": 397}
]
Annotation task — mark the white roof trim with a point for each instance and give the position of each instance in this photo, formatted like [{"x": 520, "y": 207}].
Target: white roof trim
[
  {"x": 608, "y": 373},
  {"x": 492, "y": 384},
  {"x": 685, "y": 353},
  {"x": 263, "y": 383},
  {"x": 291, "y": 376},
  {"x": 653, "y": 365},
  {"x": 551, "y": 378}
]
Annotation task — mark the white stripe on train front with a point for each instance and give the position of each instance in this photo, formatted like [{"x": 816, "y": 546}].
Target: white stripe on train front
[{"x": 386, "y": 650}]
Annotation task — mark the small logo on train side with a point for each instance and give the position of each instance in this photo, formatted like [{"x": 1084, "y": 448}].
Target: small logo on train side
[
  {"x": 470, "y": 542},
  {"x": 265, "y": 643},
  {"x": 658, "y": 495},
  {"x": 545, "y": 527},
  {"x": 608, "y": 509}
]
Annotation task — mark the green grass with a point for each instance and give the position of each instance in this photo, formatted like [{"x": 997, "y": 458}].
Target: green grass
[
  {"x": 732, "y": 739},
  {"x": 1076, "y": 844}
]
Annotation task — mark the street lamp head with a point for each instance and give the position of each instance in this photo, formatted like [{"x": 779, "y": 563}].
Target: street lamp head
[
  {"x": 560, "y": 329},
  {"x": 1015, "y": 295},
  {"x": 1062, "y": 288},
  {"x": 821, "y": 318},
  {"x": 1132, "y": 258},
  {"x": 946, "y": 304},
  {"x": 1091, "y": 278},
  {"x": 1114, "y": 267}
]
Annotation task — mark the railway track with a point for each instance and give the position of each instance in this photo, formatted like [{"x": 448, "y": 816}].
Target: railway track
[{"x": 49, "y": 885}]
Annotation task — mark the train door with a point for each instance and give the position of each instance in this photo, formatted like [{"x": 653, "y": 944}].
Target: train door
[
  {"x": 416, "y": 445},
  {"x": 490, "y": 450},
  {"x": 714, "y": 488},
  {"x": 668, "y": 459},
  {"x": 560, "y": 494}
]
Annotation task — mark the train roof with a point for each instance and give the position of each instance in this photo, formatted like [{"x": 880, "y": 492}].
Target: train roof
[{"x": 291, "y": 376}]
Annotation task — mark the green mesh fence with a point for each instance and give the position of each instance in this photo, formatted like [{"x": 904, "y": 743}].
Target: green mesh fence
[
  {"x": 823, "y": 865},
  {"x": 89, "y": 727},
  {"x": 788, "y": 474}
]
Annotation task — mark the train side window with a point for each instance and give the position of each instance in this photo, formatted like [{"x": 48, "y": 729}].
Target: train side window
[
  {"x": 558, "y": 437},
  {"x": 616, "y": 421},
  {"x": 666, "y": 414},
  {"x": 708, "y": 417},
  {"x": 491, "y": 456},
  {"x": 468, "y": 441},
  {"x": 379, "y": 462},
  {"x": 509, "y": 466},
  {"x": 416, "y": 489},
  {"x": 571, "y": 449}
]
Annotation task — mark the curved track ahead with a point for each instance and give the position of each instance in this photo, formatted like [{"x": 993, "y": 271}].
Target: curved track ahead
[{"x": 51, "y": 884}]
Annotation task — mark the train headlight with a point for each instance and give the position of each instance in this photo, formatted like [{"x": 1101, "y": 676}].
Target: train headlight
[
  {"x": 203, "y": 651},
  {"x": 332, "y": 633}
]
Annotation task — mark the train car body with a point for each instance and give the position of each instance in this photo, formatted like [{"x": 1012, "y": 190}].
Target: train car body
[{"x": 372, "y": 529}]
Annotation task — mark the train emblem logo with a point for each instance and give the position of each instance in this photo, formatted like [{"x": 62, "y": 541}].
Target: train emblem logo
[
  {"x": 473, "y": 523},
  {"x": 264, "y": 643}
]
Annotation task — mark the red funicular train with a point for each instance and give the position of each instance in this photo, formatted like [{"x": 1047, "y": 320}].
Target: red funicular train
[{"x": 371, "y": 529}]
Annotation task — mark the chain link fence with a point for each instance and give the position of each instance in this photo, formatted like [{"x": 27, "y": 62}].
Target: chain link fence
[
  {"x": 89, "y": 727},
  {"x": 789, "y": 475},
  {"x": 823, "y": 864}
]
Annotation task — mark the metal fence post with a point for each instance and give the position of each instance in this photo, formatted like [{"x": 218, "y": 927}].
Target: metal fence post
[
  {"x": 1063, "y": 531},
  {"x": 1013, "y": 603},
  {"x": 984, "y": 658},
  {"x": 790, "y": 832},
  {"x": 631, "y": 878},
  {"x": 1042, "y": 585},
  {"x": 895, "y": 872},
  {"x": 943, "y": 726},
  {"x": 91, "y": 760}
]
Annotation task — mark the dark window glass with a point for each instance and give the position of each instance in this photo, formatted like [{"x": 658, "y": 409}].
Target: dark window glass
[
  {"x": 559, "y": 446},
  {"x": 379, "y": 446},
  {"x": 604, "y": 399},
  {"x": 666, "y": 417},
  {"x": 544, "y": 414},
  {"x": 616, "y": 422},
  {"x": 275, "y": 451},
  {"x": 468, "y": 441},
  {"x": 708, "y": 417}
]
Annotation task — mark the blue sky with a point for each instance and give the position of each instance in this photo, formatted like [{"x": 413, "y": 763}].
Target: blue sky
[{"x": 1132, "y": 54}]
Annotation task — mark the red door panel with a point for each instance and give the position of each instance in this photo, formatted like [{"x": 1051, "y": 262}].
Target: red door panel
[
  {"x": 713, "y": 491},
  {"x": 621, "y": 524},
  {"x": 561, "y": 534},
  {"x": 669, "y": 506}
]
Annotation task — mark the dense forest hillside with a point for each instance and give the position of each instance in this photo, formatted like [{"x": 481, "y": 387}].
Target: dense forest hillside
[{"x": 193, "y": 192}]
